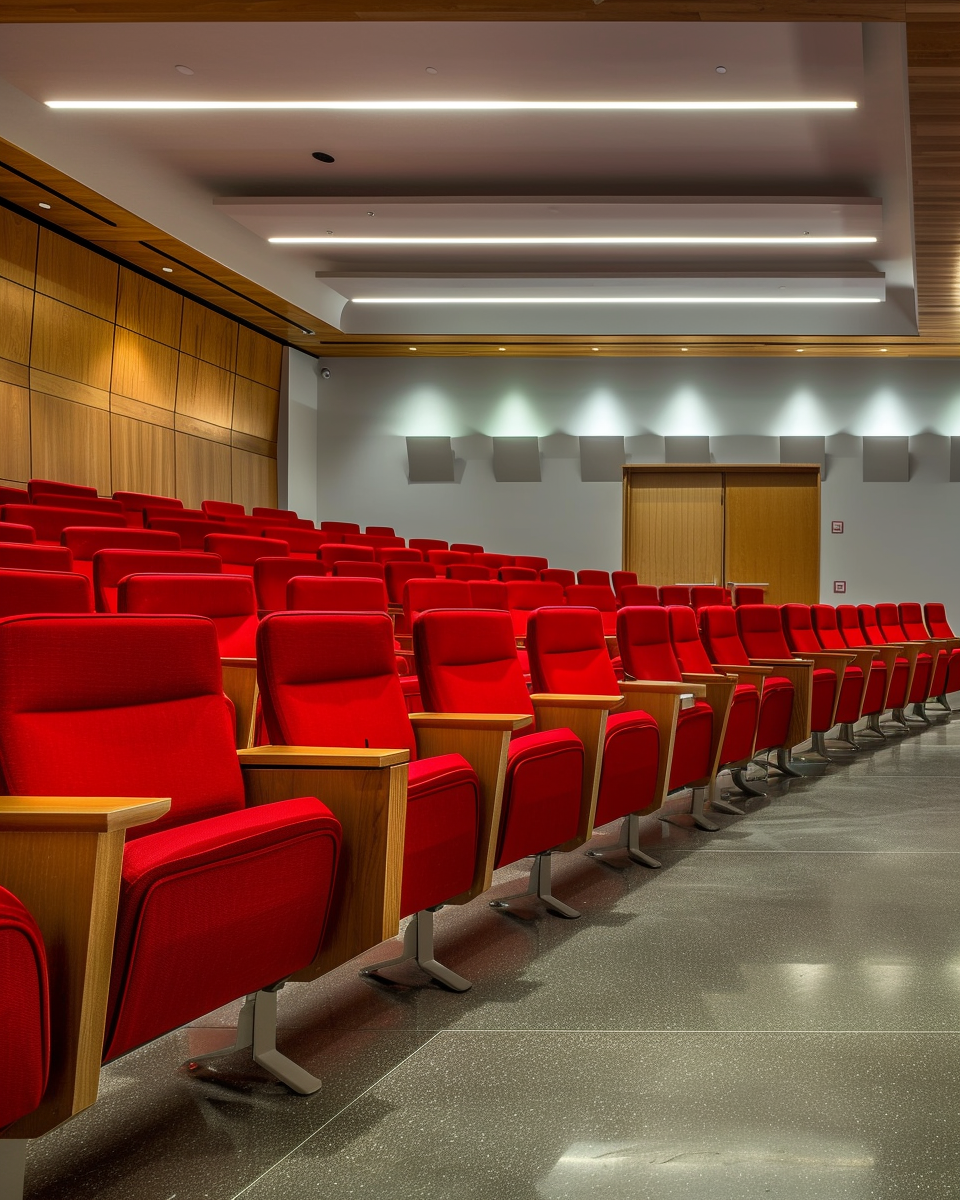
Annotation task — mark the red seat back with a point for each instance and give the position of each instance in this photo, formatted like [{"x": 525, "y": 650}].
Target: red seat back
[
  {"x": 138, "y": 501},
  {"x": 824, "y": 617},
  {"x": 685, "y": 638},
  {"x": 674, "y": 593},
  {"x": 110, "y": 566},
  {"x": 277, "y": 516},
  {"x": 381, "y": 530},
  {"x": 222, "y": 508},
  {"x": 359, "y": 570},
  {"x": 558, "y": 575},
  {"x": 24, "y": 556},
  {"x": 298, "y": 541},
  {"x": 466, "y": 547},
  {"x": 340, "y": 526},
  {"x": 17, "y": 533},
  {"x": 798, "y": 628},
  {"x": 888, "y": 618},
  {"x": 518, "y": 574},
  {"x": 228, "y": 600},
  {"x": 749, "y": 595},
  {"x": 721, "y": 637},
  {"x": 43, "y": 592},
  {"x": 467, "y": 662},
  {"x": 396, "y": 575},
  {"x": 49, "y": 487},
  {"x": 568, "y": 652},
  {"x": 761, "y": 631},
  {"x": 642, "y": 594},
  {"x": 49, "y": 523},
  {"x": 872, "y": 634},
  {"x": 389, "y": 554},
  {"x": 493, "y": 560},
  {"x": 11, "y": 495},
  {"x": 421, "y": 594},
  {"x": 594, "y": 578},
  {"x": 330, "y": 679},
  {"x": 336, "y": 595},
  {"x": 643, "y": 635},
  {"x": 84, "y": 541},
  {"x": 523, "y": 598},
  {"x": 118, "y": 706},
  {"x": 445, "y": 558},
  {"x": 271, "y": 576},
  {"x": 340, "y": 552},
  {"x": 80, "y": 503},
  {"x": 468, "y": 572},
  {"x": 592, "y": 595},
  {"x": 238, "y": 551},
  {"x": 911, "y": 621},
  {"x": 708, "y": 594},
  {"x": 488, "y": 593},
  {"x": 533, "y": 561},
  {"x": 848, "y": 622},
  {"x": 426, "y": 544},
  {"x": 192, "y": 532},
  {"x": 622, "y": 579},
  {"x": 165, "y": 509},
  {"x": 935, "y": 615}
]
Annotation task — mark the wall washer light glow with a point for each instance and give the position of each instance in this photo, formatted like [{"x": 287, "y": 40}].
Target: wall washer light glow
[
  {"x": 666, "y": 240},
  {"x": 615, "y": 300},
  {"x": 460, "y": 105}
]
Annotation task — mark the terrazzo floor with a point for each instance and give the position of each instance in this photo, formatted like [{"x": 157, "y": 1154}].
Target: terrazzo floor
[{"x": 775, "y": 1013}]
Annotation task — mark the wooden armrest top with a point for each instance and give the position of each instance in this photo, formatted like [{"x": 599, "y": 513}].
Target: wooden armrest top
[
  {"x": 782, "y": 662},
  {"x": 238, "y": 662},
  {"x": 703, "y": 677},
  {"x": 574, "y": 700},
  {"x": 81, "y": 814},
  {"x": 507, "y": 721},
  {"x": 321, "y": 756},
  {"x": 663, "y": 686},
  {"x": 741, "y": 669}
]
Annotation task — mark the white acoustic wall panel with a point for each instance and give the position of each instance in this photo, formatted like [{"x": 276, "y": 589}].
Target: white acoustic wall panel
[
  {"x": 803, "y": 450},
  {"x": 886, "y": 460},
  {"x": 430, "y": 459},
  {"x": 687, "y": 449},
  {"x": 516, "y": 459},
  {"x": 602, "y": 459}
]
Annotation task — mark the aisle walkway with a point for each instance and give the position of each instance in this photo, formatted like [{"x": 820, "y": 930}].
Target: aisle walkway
[{"x": 775, "y": 1013}]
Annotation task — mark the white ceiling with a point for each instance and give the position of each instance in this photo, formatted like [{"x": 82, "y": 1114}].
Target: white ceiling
[{"x": 511, "y": 159}]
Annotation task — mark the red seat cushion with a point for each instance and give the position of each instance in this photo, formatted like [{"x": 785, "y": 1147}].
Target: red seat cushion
[{"x": 24, "y": 1012}]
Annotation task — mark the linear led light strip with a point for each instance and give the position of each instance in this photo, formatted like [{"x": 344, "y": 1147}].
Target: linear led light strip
[
  {"x": 615, "y": 300},
  {"x": 464, "y": 105},
  {"x": 570, "y": 241}
]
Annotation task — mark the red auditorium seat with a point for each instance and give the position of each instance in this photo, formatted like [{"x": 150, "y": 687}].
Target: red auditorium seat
[
  {"x": 594, "y": 579},
  {"x": 24, "y": 1022},
  {"x": 421, "y": 594},
  {"x": 9, "y": 532},
  {"x": 84, "y": 541},
  {"x": 621, "y": 579},
  {"x": 271, "y": 576},
  {"x": 222, "y": 508},
  {"x": 900, "y": 665},
  {"x": 446, "y": 558},
  {"x": 467, "y": 663},
  {"x": 558, "y": 575},
  {"x": 301, "y": 543},
  {"x": 493, "y": 560},
  {"x": 920, "y": 664},
  {"x": 192, "y": 530},
  {"x": 230, "y": 602},
  {"x": 25, "y": 556},
  {"x": 340, "y": 526},
  {"x": 643, "y": 635},
  {"x": 784, "y": 700},
  {"x": 329, "y": 594},
  {"x": 44, "y": 592},
  {"x": 359, "y": 570},
  {"x": 426, "y": 544},
  {"x": 277, "y": 516},
  {"x": 48, "y": 487},
  {"x": 381, "y": 530},
  {"x": 532, "y": 561},
  {"x": 748, "y": 595},
  {"x": 107, "y": 702},
  {"x": 935, "y": 619},
  {"x": 239, "y": 554},
  {"x": 489, "y": 593},
  {"x": 599, "y": 596},
  {"x": 742, "y": 707},
  {"x": 708, "y": 594},
  {"x": 466, "y": 547},
  {"x": 49, "y": 523},
  {"x": 468, "y": 572},
  {"x": 396, "y": 574},
  {"x": 11, "y": 495},
  {"x": 135, "y": 504},
  {"x": 111, "y": 566},
  {"x": 642, "y": 595},
  {"x": 82, "y": 504},
  {"x": 389, "y": 554},
  {"x": 524, "y": 597},
  {"x": 761, "y": 632},
  {"x": 379, "y": 541},
  {"x": 568, "y": 654},
  {"x": 879, "y": 669},
  {"x": 340, "y": 552},
  {"x": 518, "y": 574},
  {"x": 181, "y": 513},
  {"x": 674, "y": 593},
  {"x": 888, "y": 619},
  {"x": 801, "y": 635},
  {"x": 328, "y": 679}
]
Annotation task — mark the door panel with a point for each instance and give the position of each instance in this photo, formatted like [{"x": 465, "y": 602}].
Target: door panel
[
  {"x": 772, "y": 534},
  {"x": 673, "y": 527}
]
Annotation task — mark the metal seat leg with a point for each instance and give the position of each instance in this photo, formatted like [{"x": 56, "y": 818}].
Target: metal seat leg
[
  {"x": 418, "y": 947},
  {"x": 540, "y": 885},
  {"x": 873, "y": 726},
  {"x": 920, "y": 713},
  {"x": 13, "y": 1155},
  {"x": 257, "y": 1030},
  {"x": 630, "y": 841},
  {"x": 718, "y": 804}
]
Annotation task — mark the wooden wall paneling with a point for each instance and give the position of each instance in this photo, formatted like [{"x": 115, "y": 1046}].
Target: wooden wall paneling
[
  {"x": 18, "y": 248},
  {"x": 673, "y": 526},
  {"x": 203, "y": 470},
  {"x": 254, "y": 479},
  {"x": 144, "y": 370},
  {"x": 772, "y": 533},
  {"x": 148, "y": 308},
  {"x": 69, "y": 442},
  {"x": 256, "y": 409},
  {"x": 142, "y": 456},
  {"x": 71, "y": 344},
  {"x": 16, "y": 316},
  {"x": 207, "y": 335},
  {"x": 76, "y": 276},
  {"x": 205, "y": 392},
  {"x": 258, "y": 357},
  {"x": 14, "y": 432}
]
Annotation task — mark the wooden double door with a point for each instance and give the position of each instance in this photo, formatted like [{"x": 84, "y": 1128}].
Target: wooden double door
[{"x": 725, "y": 523}]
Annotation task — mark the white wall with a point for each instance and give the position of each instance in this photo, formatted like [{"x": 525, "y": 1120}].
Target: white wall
[
  {"x": 297, "y": 434},
  {"x": 900, "y": 539}
]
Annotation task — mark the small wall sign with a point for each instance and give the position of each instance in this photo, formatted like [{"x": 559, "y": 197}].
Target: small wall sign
[
  {"x": 836, "y": 527},
  {"x": 839, "y": 585}
]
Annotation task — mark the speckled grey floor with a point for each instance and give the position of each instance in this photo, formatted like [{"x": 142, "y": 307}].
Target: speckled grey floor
[{"x": 775, "y": 1013}]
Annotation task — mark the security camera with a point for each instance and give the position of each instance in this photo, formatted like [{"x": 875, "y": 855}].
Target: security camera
[{"x": 325, "y": 373}]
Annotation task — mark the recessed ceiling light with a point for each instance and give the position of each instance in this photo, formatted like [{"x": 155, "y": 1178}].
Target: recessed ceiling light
[
  {"x": 183, "y": 69},
  {"x": 321, "y": 157},
  {"x": 574, "y": 241},
  {"x": 465, "y": 105},
  {"x": 432, "y": 71},
  {"x": 721, "y": 70},
  {"x": 42, "y": 204},
  {"x": 799, "y": 349},
  {"x": 594, "y": 347},
  {"x": 683, "y": 350},
  {"x": 501, "y": 347},
  {"x": 613, "y": 300},
  {"x": 411, "y": 347},
  {"x": 883, "y": 350},
  {"x": 169, "y": 270}
]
